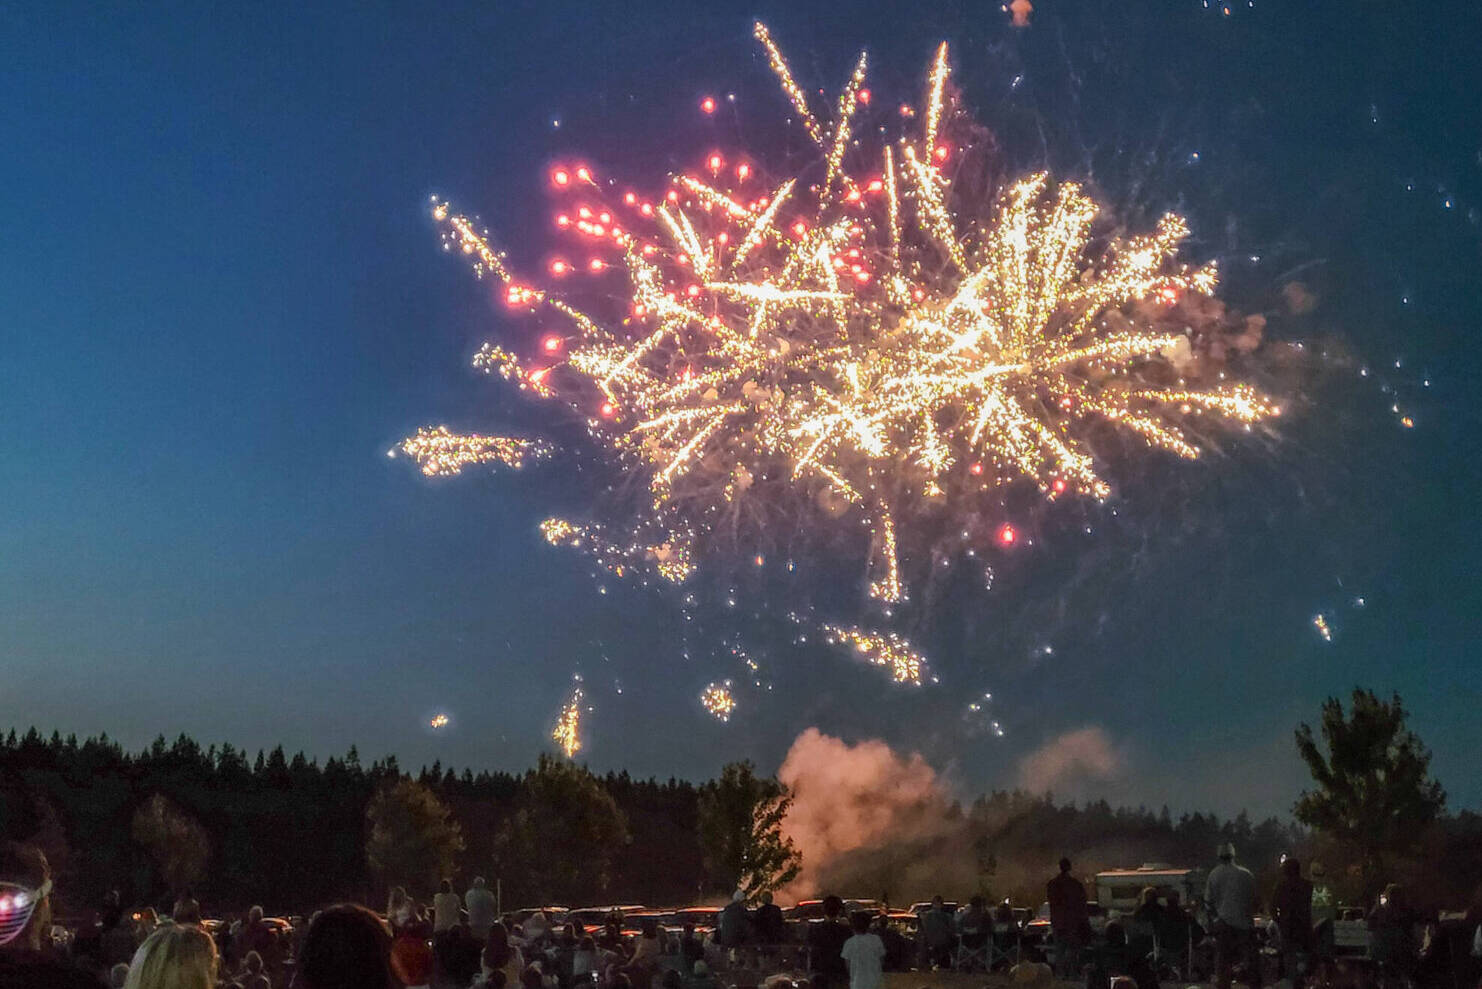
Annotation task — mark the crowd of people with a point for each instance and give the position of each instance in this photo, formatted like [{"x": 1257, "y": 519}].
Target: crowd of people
[{"x": 455, "y": 941}]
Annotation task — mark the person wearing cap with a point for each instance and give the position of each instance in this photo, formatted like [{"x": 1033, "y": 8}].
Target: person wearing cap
[
  {"x": 25, "y": 921},
  {"x": 1231, "y": 896}
]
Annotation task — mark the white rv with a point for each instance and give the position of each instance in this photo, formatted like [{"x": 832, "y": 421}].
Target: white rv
[{"x": 1121, "y": 889}]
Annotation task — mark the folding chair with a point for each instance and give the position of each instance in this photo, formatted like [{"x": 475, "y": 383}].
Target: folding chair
[
  {"x": 1003, "y": 945},
  {"x": 973, "y": 952}
]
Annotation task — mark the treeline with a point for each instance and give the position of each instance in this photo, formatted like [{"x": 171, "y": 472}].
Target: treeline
[{"x": 290, "y": 833}]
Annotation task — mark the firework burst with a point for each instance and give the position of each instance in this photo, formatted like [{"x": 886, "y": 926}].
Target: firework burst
[
  {"x": 442, "y": 453},
  {"x": 718, "y": 700},
  {"x": 567, "y": 732},
  {"x": 860, "y": 338}
]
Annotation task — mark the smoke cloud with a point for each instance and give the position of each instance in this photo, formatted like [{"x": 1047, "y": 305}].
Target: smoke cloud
[
  {"x": 873, "y": 822},
  {"x": 854, "y": 804},
  {"x": 1071, "y": 760}
]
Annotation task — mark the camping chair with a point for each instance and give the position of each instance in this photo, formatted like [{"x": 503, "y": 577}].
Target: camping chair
[
  {"x": 972, "y": 952},
  {"x": 1142, "y": 941},
  {"x": 1003, "y": 945}
]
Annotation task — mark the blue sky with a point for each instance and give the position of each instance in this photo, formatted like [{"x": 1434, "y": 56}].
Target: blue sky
[{"x": 223, "y": 301}]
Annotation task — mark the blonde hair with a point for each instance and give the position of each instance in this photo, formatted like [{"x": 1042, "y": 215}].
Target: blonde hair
[{"x": 178, "y": 956}]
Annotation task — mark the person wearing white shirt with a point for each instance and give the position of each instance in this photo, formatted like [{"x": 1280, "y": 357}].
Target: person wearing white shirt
[
  {"x": 480, "y": 904},
  {"x": 864, "y": 953},
  {"x": 445, "y": 906}
]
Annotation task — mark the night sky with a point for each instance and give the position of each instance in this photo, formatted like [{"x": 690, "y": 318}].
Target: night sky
[{"x": 223, "y": 302}]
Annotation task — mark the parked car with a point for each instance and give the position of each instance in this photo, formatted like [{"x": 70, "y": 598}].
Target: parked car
[
  {"x": 925, "y": 905},
  {"x": 705, "y": 919},
  {"x": 556, "y": 915}
]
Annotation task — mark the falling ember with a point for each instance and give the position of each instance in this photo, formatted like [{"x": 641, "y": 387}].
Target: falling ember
[
  {"x": 1320, "y": 622},
  {"x": 440, "y": 452},
  {"x": 857, "y": 350},
  {"x": 567, "y": 733},
  {"x": 885, "y": 649},
  {"x": 707, "y": 105},
  {"x": 718, "y": 700}
]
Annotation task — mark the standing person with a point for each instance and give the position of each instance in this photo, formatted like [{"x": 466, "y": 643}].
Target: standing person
[
  {"x": 112, "y": 910},
  {"x": 445, "y": 907},
  {"x": 401, "y": 910},
  {"x": 691, "y": 948},
  {"x": 731, "y": 929},
  {"x": 826, "y": 944},
  {"x": 864, "y": 954},
  {"x": 26, "y": 885},
  {"x": 1392, "y": 945},
  {"x": 1231, "y": 894},
  {"x": 1291, "y": 908},
  {"x": 480, "y": 904},
  {"x": 770, "y": 927},
  {"x": 175, "y": 956},
  {"x": 1069, "y": 920},
  {"x": 936, "y": 934}
]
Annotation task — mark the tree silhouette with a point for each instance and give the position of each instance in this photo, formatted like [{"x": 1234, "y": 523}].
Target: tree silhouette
[
  {"x": 564, "y": 836},
  {"x": 741, "y": 835},
  {"x": 413, "y": 838},
  {"x": 174, "y": 841},
  {"x": 1374, "y": 794}
]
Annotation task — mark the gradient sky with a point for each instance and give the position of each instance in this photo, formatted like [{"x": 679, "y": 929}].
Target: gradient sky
[{"x": 223, "y": 302}]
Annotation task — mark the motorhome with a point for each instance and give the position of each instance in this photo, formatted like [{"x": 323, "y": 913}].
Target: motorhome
[{"x": 1121, "y": 889}]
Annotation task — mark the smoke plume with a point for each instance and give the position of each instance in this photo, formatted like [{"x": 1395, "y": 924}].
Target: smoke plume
[
  {"x": 1069, "y": 761},
  {"x": 857, "y": 811}
]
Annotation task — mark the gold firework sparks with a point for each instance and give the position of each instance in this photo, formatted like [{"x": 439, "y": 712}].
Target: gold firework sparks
[
  {"x": 1320, "y": 622},
  {"x": 442, "y": 453},
  {"x": 870, "y": 342},
  {"x": 439, "y": 721},
  {"x": 567, "y": 733},
  {"x": 718, "y": 700},
  {"x": 886, "y": 649},
  {"x": 671, "y": 558}
]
